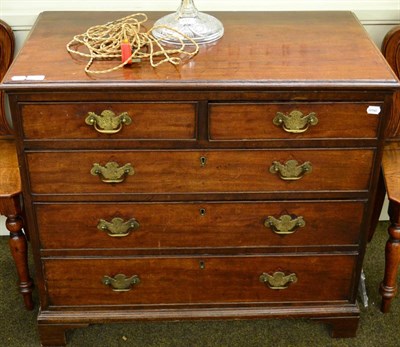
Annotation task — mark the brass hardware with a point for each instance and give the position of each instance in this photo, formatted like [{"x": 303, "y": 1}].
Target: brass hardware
[
  {"x": 202, "y": 212},
  {"x": 112, "y": 172},
  {"x": 108, "y": 122},
  {"x": 120, "y": 282},
  {"x": 295, "y": 122},
  {"x": 203, "y": 161},
  {"x": 278, "y": 280},
  {"x": 118, "y": 227},
  {"x": 286, "y": 224},
  {"x": 291, "y": 170}
]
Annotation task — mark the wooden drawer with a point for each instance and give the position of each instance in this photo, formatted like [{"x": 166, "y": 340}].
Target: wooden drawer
[
  {"x": 251, "y": 121},
  {"x": 235, "y": 171},
  {"x": 149, "y": 121},
  {"x": 158, "y": 226},
  {"x": 199, "y": 280}
]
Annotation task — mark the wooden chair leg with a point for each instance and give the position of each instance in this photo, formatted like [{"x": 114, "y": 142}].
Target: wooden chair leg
[
  {"x": 388, "y": 287},
  {"x": 25, "y": 227},
  {"x": 19, "y": 251}
]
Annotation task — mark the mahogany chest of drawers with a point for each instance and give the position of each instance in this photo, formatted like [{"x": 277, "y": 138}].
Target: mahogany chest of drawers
[{"x": 236, "y": 185}]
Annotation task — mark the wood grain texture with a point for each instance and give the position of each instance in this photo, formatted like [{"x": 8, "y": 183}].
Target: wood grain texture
[
  {"x": 391, "y": 172},
  {"x": 335, "y": 120},
  {"x": 7, "y": 44},
  {"x": 390, "y": 178},
  {"x": 228, "y": 171},
  {"x": 150, "y": 121},
  {"x": 259, "y": 49},
  {"x": 233, "y": 280},
  {"x": 182, "y": 226},
  {"x": 391, "y": 51},
  {"x": 202, "y": 144},
  {"x": 10, "y": 181},
  {"x": 9, "y": 172}
]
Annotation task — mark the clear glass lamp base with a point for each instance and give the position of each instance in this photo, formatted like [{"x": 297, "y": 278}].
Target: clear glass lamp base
[{"x": 199, "y": 26}]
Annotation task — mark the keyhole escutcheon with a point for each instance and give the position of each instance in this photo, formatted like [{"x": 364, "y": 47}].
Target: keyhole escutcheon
[{"x": 203, "y": 161}]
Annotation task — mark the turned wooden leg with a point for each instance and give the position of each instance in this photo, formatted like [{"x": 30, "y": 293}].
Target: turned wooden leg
[
  {"x": 26, "y": 230},
  {"x": 388, "y": 287},
  {"x": 19, "y": 251}
]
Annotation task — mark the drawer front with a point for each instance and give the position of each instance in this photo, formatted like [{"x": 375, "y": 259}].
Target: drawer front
[
  {"x": 194, "y": 171},
  {"x": 158, "y": 226},
  {"x": 149, "y": 121},
  {"x": 207, "y": 280},
  {"x": 292, "y": 121}
]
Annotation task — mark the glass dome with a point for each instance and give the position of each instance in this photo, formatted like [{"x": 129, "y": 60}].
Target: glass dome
[{"x": 199, "y": 26}]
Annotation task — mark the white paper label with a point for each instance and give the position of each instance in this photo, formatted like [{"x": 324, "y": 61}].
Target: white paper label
[
  {"x": 374, "y": 109},
  {"x": 35, "y": 78},
  {"x": 18, "y": 78}
]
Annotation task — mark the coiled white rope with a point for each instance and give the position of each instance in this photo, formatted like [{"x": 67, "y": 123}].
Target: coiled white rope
[{"x": 104, "y": 43}]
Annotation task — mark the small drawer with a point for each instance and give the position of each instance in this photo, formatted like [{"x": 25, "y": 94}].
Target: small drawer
[
  {"x": 258, "y": 121},
  {"x": 168, "y": 226},
  {"x": 199, "y": 280},
  {"x": 234, "y": 171},
  {"x": 134, "y": 121}
]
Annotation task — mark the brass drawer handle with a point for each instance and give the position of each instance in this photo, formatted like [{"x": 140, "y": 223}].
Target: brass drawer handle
[
  {"x": 278, "y": 280},
  {"x": 112, "y": 172},
  {"x": 108, "y": 122},
  {"x": 286, "y": 224},
  {"x": 295, "y": 122},
  {"x": 120, "y": 282},
  {"x": 291, "y": 170},
  {"x": 118, "y": 227}
]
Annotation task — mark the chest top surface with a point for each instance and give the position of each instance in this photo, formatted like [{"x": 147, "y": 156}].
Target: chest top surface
[{"x": 258, "y": 49}]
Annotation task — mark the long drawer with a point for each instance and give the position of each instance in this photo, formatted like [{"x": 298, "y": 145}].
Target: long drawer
[
  {"x": 158, "y": 226},
  {"x": 149, "y": 121},
  {"x": 199, "y": 280},
  {"x": 111, "y": 172},
  {"x": 260, "y": 121}
]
